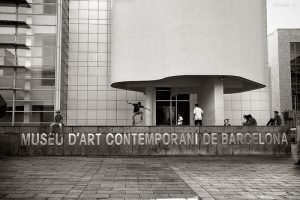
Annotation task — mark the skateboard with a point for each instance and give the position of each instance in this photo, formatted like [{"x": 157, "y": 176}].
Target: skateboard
[{"x": 133, "y": 124}]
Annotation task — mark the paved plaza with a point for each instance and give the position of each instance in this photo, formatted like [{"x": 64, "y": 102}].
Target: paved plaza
[{"x": 202, "y": 177}]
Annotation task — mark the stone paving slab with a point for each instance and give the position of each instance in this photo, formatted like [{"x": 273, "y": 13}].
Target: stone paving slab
[{"x": 121, "y": 178}]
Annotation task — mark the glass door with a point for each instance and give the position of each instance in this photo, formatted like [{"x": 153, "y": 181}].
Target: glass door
[{"x": 169, "y": 107}]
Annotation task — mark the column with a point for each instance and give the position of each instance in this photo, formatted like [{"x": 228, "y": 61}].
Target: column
[
  {"x": 219, "y": 102},
  {"x": 211, "y": 100},
  {"x": 149, "y": 93}
]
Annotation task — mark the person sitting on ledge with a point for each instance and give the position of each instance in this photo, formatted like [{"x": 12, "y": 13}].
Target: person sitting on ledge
[
  {"x": 226, "y": 122},
  {"x": 250, "y": 121},
  {"x": 276, "y": 121},
  {"x": 58, "y": 122}
]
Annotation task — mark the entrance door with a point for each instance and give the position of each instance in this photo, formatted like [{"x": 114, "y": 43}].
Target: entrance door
[
  {"x": 168, "y": 107},
  {"x": 183, "y": 109}
]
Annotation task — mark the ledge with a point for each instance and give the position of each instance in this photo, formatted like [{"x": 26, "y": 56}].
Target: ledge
[
  {"x": 13, "y": 23},
  {"x": 14, "y": 3},
  {"x": 10, "y": 88},
  {"x": 13, "y": 45},
  {"x": 12, "y": 66},
  {"x": 145, "y": 140},
  {"x": 148, "y": 129}
]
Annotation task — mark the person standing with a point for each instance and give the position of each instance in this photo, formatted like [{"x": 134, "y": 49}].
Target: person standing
[
  {"x": 180, "y": 120},
  {"x": 198, "y": 115}
]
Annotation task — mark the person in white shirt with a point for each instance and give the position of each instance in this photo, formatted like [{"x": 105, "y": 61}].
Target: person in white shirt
[
  {"x": 198, "y": 115},
  {"x": 180, "y": 120}
]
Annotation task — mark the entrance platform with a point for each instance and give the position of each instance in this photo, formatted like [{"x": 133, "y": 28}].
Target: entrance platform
[{"x": 146, "y": 141}]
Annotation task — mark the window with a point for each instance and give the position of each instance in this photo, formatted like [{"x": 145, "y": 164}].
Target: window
[
  {"x": 48, "y": 77},
  {"x": 295, "y": 74},
  {"x": 168, "y": 107}
]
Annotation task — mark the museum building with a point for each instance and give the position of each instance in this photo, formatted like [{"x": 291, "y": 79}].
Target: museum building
[{"x": 87, "y": 58}]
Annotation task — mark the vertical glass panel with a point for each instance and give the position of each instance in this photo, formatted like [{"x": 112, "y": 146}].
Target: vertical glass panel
[
  {"x": 42, "y": 117},
  {"x": 163, "y": 114},
  {"x": 295, "y": 74},
  {"x": 183, "y": 108}
]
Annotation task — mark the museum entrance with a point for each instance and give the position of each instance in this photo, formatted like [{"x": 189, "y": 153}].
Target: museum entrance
[{"x": 168, "y": 107}]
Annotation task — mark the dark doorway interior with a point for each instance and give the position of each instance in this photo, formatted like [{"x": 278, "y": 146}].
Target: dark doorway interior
[{"x": 168, "y": 107}]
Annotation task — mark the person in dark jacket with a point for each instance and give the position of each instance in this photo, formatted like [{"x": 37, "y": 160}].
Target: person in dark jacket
[
  {"x": 276, "y": 121},
  {"x": 3, "y": 107},
  {"x": 250, "y": 121},
  {"x": 58, "y": 122},
  {"x": 137, "y": 111}
]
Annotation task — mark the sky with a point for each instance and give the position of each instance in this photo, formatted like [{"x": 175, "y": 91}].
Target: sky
[{"x": 283, "y": 14}]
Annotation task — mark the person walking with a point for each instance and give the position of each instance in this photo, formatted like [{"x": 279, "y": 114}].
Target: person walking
[
  {"x": 198, "y": 115},
  {"x": 136, "y": 111}
]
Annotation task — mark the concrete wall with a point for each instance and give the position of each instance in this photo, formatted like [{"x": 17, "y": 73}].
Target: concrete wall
[
  {"x": 256, "y": 102},
  {"x": 10, "y": 142},
  {"x": 154, "y": 39}
]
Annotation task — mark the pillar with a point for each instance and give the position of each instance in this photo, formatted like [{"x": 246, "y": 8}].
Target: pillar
[
  {"x": 211, "y": 99},
  {"x": 149, "y": 94}
]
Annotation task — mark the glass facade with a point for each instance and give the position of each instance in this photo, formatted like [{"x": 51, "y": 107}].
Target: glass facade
[
  {"x": 295, "y": 74},
  {"x": 27, "y": 76}
]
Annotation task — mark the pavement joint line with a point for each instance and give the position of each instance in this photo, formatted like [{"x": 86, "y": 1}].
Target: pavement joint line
[{"x": 183, "y": 175}]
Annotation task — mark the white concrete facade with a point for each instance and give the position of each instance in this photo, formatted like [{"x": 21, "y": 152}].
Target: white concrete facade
[{"x": 209, "y": 48}]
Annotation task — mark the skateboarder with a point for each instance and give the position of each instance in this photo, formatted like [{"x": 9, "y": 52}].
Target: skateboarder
[{"x": 136, "y": 111}]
